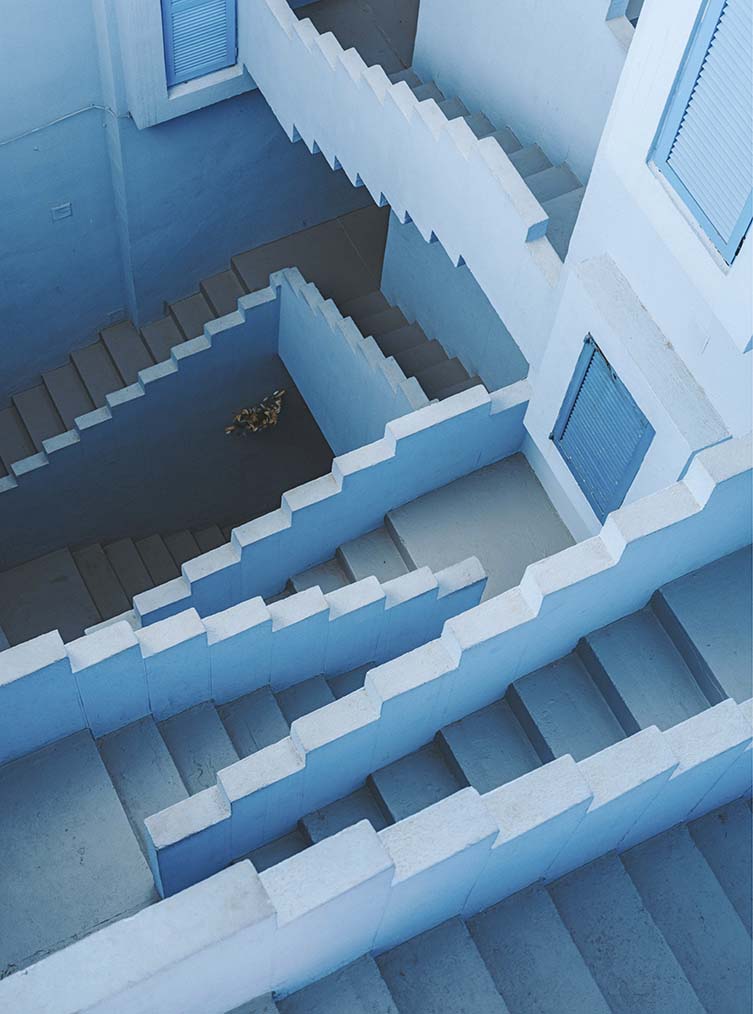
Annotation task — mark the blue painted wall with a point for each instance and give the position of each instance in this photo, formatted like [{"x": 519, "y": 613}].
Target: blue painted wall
[{"x": 152, "y": 211}]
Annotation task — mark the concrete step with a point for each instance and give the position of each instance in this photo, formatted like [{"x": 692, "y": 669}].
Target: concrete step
[
  {"x": 347, "y": 682},
  {"x": 199, "y": 745},
  {"x": 129, "y": 567},
  {"x": 38, "y": 414},
  {"x": 696, "y": 918},
  {"x": 453, "y": 108},
  {"x": 562, "y": 712},
  {"x": 552, "y": 182},
  {"x": 70, "y": 397},
  {"x": 303, "y": 698},
  {"x": 463, "y": 385},
  {"x": 328, "y": 576},
  {"x": 725, "y": 839},
  {"x": 489, "y": 747},
  {"x": 642, "y": 675},
  {"x": 101, "y": 581},
  {"x": 209, "y": 538},
  {"x": 707, "y": 614},
  {"x": 278, "y": 851},
  {"x": 413, "y": 361},
  {"x": 222, "y": 292},
  {"x": 382, "y": 322},
  {"x": 563, "y": 214},
  {"x": 479, "y": 124},
  {"x": 47, "y": 593},
  {"x": 15, "y": 442},
  {"x": 402, "y": 338},
  {"x": 143, "y": 772},
  {"x": 532, "y": 958},
  {"x": 631, "y": 962},
  {"x": 414, "y": 782},
  {"x": 128, "y": 351},
  {"x": 529, "y": 160},
  {"x": 157, "y": 559},
  {"x": 356, "y": 989},
  {"x": 363, "y": 307},
  {"x": 440, "y": 971},
  {"x": 410, "y": 77},
  {"x": 507, "y": 140},
  {"x": 359, "y": 805},
  {"x": 441, "y": 376},
  {"x": 428, "y": 91},
  {"x": 98, "y": 372},
  {"x": 253, "y": 721},
  {"x": 374, "y": 553},
  {"x": 160, "y": 337},
  {"x": 182, "y": 546},
  {"x": 191, "y": 314}
]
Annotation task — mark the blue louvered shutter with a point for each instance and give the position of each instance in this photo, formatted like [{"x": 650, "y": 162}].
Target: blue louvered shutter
[
  {"x": 705, "y": 146},
  {"x": 600, "y": 432},
  {"x": 200, "y": 37}
]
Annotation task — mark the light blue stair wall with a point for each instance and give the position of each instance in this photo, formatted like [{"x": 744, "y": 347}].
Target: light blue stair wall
[
  {"x": 349, "y": 386},
  {"x": 115, "y": 676},
  {"x": 449, "y": 305}
]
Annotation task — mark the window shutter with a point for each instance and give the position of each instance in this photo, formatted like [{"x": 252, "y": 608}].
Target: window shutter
[
  {"x": 200, "y": 37},
  {"x": 706, "y": 145},
  {"x": 601, "y": 433}
]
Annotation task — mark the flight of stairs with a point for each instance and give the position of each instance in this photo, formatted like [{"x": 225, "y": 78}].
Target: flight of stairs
[
  {"x": 328, "y": 254},
  {"x": 632, "y": 674},
  {"x": 438, "y": 375},
  {"x": 556, "y": 188},
  {"x": 665, "y": 927},
  {"x": 155, "y": 764}
]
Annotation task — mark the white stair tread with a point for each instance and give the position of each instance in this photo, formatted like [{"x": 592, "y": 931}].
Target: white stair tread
[
  {"x": 696, "y": 918},
  {"x": 199, "y": 745},
  {"x": 359, "y": 805},
  {"x": 374, "y": 553},
  {"x": 142, "y": 771},
  {"x": 356, "y": 989},
  {"x": 630, "y": 960},
  {"x": 303, "y": 698},
  {"x": 328, "y": 576},
  {"x": 532, "y": 957},
  {"x": 490, "y": 747},
  {"x": 254, "y": 721},
  {"x": 414, "y": 782},
  {"x": 441, "y": 970},
  {"x": 562, "y": 711}
]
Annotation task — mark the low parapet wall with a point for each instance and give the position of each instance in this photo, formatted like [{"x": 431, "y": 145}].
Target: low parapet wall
[
  {"x": 115, "y": 676},
  {"x": 330, "y": 752},
  {"x": 241, "y": 934},
  {"x": 418, "y": 453}
]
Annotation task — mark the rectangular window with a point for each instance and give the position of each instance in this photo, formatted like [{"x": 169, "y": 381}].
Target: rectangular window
[
  {"x": 705, "y": 142},
  {"x": 600, "y": 432},
  {"x": 200, "y": 37}
]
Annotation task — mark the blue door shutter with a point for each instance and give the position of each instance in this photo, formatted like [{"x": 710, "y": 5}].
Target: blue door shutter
[
  {"x": 600, "y": 432},
  {"x": 200, "y": 37},
  {"x": 705, "y": 146}
]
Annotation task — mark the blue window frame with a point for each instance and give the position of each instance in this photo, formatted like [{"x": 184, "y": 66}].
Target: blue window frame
[
  {"x": 704, "y": 146},
  {"x": 600, "y": 432},
  {"x": 200, "y": 37}
]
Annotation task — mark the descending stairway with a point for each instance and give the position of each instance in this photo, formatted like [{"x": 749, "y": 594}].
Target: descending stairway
[
  {"x": 555, "y": 187},
  {"x": 354, "y": 248},
  {"x": 663, "y": 929},
  {"x": 417, "y": 356},
  {"x": 625, "y": 677}
]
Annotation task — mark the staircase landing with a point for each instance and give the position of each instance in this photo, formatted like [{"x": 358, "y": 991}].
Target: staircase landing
[{"x": 499, "y": 514}]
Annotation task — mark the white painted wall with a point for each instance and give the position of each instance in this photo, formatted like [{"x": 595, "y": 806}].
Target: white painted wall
[
  {"x": 702, "y": 306},
  {"x": 548, "y": 70}
]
